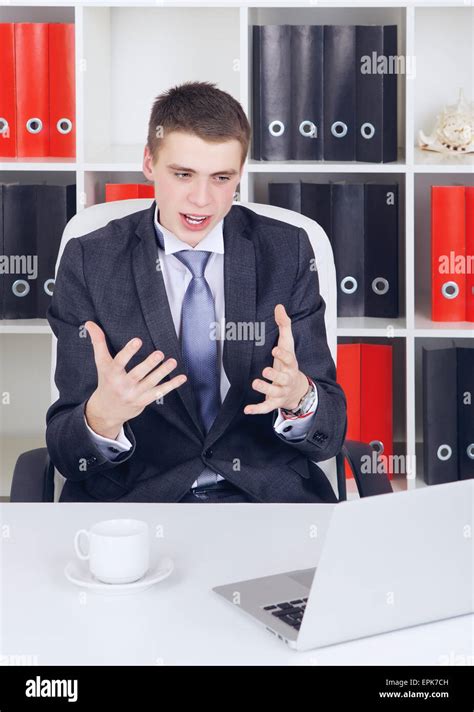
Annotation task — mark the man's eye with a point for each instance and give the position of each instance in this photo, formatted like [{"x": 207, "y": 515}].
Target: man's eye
[{"x": 226, "y": 178}]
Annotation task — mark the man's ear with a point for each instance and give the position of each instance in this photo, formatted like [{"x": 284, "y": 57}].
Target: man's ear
[{"x": 147, "y": 161}]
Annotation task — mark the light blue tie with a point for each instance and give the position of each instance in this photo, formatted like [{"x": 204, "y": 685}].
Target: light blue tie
[{"x": 198, "y": 348}]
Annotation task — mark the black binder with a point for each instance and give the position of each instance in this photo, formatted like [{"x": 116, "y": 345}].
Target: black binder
[
  {"x": 339, "y": 92},
  {"x": 347, "y": 239},
  {"x": 55, "y": 205},
  {"x": 376, "y": 94},
  {"x": 440, "y": 447},
  {"x": 310, "y": 199},
  {"x": 361, "y": 221},
  {"x": 19, "y": 239},
  {"x": 272, "y": 92},
  {"x": 285, "y": 195},
  {"x": 307, "y": 92},
  {"x": 34, "y": 218},
  {"x": 465, "y": 401},
  {"x": 381, "y": 250},
  {"x": 316, "y": 204}
]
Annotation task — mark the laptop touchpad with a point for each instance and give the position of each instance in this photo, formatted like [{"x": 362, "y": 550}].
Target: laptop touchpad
[{"x": 304, "y": 576}]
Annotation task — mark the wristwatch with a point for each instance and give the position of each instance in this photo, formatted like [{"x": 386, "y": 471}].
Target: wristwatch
[{"x": 303, "y": 406}]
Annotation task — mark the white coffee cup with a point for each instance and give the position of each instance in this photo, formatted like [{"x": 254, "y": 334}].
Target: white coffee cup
[{"x": 118, "y": 550}]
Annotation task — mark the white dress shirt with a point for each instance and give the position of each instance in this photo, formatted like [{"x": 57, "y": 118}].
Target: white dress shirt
[{"x": 177, "y": 277}]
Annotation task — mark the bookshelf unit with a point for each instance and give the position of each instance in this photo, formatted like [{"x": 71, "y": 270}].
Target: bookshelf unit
[{"x": 129, "y": 52}]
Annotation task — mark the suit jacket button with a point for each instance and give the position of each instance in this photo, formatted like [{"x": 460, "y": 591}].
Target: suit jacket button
[{"x": 208, "y": 452}]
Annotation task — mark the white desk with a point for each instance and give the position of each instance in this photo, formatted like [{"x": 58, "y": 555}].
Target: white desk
[{"x": 180, "y": 620}]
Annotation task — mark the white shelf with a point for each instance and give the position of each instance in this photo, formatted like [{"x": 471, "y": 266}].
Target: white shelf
[
  {"x": 246, "y": 3},
  {"x": 398, "y": 166},
  {"x": 25, "y": 326},
  {"x": 121, "y": 158},
  {"x": 38, "y": 164},
  {"x": 455, "y": 329},
  {"x": 371, "y": 326},
  {"x": 431, "y": 162},
  {"x": 128, "y": 52}
]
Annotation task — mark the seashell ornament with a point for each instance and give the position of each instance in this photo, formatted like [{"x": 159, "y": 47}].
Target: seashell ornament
[{"x": 454, "y": 129}]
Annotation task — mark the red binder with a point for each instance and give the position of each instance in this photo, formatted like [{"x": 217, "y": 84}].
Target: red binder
[
  {"x": 365, "y": 373},
  {"x": 125, "y": 191},
  {"x": 448, "y": 250},
  {"x": 469, "y": 195},
  {"x": 7, "y": 91},
  {"x": 32, "y": 87},
  {"x": 348, "y": 376},
  {"x": 376, "y": 424},
  {"x": 62, "y": 90}
]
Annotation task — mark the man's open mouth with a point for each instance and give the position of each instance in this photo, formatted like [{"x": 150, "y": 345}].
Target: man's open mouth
[{"x": 194, "y": 220}]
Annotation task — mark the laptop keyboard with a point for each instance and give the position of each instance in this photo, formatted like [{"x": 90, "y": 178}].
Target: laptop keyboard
[{"x": 290, "y": 612}]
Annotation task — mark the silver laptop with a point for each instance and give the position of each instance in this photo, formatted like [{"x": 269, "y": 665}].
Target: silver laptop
[{"x": 387, "y": 562}]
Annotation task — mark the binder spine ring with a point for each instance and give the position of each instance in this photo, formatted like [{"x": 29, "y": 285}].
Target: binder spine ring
[
  {"x": 34, "y": 125},
  {"x": 470, "y": 451},
  {"x": 308, "y": 129},
  {"x": 367, "y": 130},
  {"x": 380, "y": 289},
  {"x": 4, "y": 125},
  {"x": 377, "y": 445},
  {"x": 444, "y": 452},
  {"x": 338, "y": 125},
  {"x": 346, "y": 282},
  {"x": 64, "y": 125},
  {"x": 16, "y": 287},
  {"x": 48, "y": 287},
  {"x": 450, "y": 290},
  {"x": 276, "y": 128}
]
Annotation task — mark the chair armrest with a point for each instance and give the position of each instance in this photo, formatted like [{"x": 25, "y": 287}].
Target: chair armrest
[
  {"x": 341, "y": 475},
  {"x": 368, "y": 483},
  {"x": 33, "y": 477}
]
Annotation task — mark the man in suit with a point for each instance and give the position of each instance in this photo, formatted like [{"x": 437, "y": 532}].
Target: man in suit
[{"x": 174, "y": 321}]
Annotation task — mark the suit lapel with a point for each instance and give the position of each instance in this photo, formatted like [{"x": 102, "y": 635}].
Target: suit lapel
[
  {"x": 240, "y": 306},
  {"x": 156, "y": 311}
]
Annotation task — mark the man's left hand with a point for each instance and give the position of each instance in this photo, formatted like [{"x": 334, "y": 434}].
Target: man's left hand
[{"x": 288, "y": 384}]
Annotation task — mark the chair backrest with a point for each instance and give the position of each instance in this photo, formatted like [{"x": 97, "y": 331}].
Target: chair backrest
[{"x": 97, "y": 216}]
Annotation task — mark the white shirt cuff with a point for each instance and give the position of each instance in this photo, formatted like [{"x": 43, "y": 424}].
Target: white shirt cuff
[
  {"x": 299, "y": 424},
  {"x": 110, "y": 448}
]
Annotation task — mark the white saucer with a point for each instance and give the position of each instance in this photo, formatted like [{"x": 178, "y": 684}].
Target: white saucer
[{"x": 78, "y": 573}]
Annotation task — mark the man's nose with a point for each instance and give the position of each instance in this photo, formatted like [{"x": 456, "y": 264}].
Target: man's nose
[{"x": 200, "y": 194}]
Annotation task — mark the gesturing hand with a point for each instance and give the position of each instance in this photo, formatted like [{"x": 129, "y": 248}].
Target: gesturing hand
[
  {"x": 119, "y": 395},
  {"x": 288, "y": 384}
]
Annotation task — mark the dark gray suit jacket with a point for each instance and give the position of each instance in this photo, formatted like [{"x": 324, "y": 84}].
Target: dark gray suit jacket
[{"x": 110, "y": 276}]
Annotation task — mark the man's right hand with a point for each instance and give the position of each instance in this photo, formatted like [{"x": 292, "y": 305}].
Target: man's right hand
[{"x": 119, "y": 395}]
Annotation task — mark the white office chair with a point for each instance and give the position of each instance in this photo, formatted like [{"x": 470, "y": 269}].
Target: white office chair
[{"x": 35, "y": 477}]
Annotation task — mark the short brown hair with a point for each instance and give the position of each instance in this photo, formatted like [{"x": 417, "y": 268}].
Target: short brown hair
[{"x": 198, "y": 108}]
